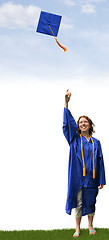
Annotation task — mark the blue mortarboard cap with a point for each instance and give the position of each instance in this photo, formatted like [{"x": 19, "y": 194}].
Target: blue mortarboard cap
[
  {"x": 48, "y": 20},
  {"x": 49, "y": 24}
]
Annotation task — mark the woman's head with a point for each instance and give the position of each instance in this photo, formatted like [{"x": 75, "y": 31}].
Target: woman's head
[{"x": 85, "y": 124}]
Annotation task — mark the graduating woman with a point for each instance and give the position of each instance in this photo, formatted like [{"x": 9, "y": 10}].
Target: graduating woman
[{"x": 86, "y": 167}]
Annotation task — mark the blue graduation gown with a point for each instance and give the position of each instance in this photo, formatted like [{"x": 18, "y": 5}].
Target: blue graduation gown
[{"x": 76, "y": 180}]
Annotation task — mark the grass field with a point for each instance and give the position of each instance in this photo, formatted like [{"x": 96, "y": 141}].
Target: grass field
[{"x": 65, "y": 234}]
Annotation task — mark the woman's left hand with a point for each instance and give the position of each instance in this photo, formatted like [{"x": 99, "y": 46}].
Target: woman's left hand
[{"x": 101, "y": 186}]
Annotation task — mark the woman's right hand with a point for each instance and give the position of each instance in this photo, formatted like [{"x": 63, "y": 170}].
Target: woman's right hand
[{"x": 67, "y": 96}]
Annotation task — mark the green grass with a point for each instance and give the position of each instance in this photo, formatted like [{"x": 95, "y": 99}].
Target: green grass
[{"x": 65, "y": 234}]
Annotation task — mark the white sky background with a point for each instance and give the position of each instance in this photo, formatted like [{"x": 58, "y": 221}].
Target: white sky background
[{"x": 35, "y": 74}]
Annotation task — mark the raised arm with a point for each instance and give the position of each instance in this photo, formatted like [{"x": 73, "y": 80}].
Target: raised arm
[
  {"x": 69, "y": 124},
  {"x": 67, "y": 98}
]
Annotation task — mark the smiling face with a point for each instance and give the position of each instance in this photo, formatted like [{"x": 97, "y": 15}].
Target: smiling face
[{"x": 84, "y": 125}]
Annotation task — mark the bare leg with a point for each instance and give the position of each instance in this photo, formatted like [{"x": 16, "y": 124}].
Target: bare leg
[
  {"x": 78, "y": 221},
  {"x": 78, "y": 211},
  {"x": 90, "y": 223}
]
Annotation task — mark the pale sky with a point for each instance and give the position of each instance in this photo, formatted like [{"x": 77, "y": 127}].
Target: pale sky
[
  {"x": 34, "y": 75},
  {"x": 84, "y": 31}
]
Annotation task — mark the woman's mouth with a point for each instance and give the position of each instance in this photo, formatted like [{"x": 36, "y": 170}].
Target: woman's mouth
[{"x": 83, "y": 127}]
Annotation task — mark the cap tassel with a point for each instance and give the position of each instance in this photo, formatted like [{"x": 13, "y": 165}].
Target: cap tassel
[{"x": 64, "y": 48}]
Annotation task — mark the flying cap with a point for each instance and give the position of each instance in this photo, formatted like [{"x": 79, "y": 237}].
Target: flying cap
[{"x": 49, "y": 24}]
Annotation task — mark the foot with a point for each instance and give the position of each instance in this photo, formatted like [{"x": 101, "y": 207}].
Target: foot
[
  {"x": 92, "y": 231},
  {"x": 76, "y": 234}
]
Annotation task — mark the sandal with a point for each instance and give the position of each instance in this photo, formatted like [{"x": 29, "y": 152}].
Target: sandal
[
  {"x": 92, "y": 232},
  {"x": 76, "y": 234}
]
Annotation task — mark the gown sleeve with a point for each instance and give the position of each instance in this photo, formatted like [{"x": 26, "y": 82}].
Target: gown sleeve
[
  {"x": 69, "y": 125},
  {"x": 102, "y": 178}
]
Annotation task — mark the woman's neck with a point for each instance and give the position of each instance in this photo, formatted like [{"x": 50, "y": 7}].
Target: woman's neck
[{"x": 85, "y": 134}]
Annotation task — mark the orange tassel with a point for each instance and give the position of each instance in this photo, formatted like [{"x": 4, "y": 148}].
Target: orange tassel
[{"x": 65, "y": 49}]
